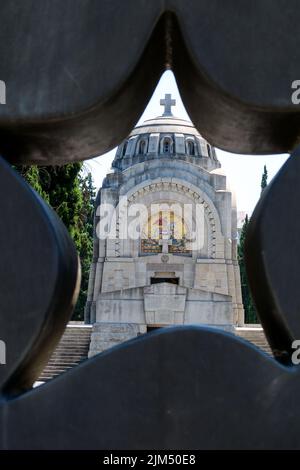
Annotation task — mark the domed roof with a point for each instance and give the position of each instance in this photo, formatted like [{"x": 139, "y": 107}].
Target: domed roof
[
  {"x": 166, "y": 124},
  {"x": 166, "y": 136}
]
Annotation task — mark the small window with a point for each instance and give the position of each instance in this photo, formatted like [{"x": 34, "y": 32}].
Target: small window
[
  {"x": 191, "y": 148},
  {"x": 166, "y": 145},
  {"x": 124, "y": 148},
  {"x": 208, "y": 150},
  {"x": 142, "y": 147}
]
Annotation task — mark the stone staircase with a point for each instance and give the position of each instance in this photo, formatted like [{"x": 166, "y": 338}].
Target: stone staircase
[
  {"x": 256, "y": 336},
  {"x": 74, "y": 347}
]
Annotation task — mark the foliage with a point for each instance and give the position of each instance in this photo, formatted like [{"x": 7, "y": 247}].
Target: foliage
[
  {"x": 71, "y": 194},
  {"x": 249, "y": 307},
  {"x": 264, "y": 179},
  {"x": 250, "y": 312}
]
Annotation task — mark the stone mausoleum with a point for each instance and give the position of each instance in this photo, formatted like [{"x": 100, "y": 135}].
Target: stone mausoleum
[{"x": 180, "y": 267}]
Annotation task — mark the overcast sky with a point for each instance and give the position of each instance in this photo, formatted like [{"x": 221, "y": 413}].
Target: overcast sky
[{"x": 243, "y": 171}]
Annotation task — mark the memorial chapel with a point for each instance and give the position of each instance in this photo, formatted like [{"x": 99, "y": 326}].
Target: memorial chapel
[{"x": 165, "y": 237}]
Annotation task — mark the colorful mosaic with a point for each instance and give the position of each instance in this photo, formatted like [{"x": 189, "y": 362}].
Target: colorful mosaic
[{"x": 164, "y": 227}]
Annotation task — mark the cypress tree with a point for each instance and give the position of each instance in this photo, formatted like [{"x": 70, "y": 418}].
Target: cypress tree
[
  {"x": 264, "y": 179},
  {"x": 249, "y": 307},
  {"x": 250, "y": 312}
]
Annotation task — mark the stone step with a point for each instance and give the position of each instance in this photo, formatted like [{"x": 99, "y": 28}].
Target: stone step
[
  {"x": 72, "y": 343},
  {"x": 255, "y": 336},
  {"x": 57, "y": 370},
  {"x": 70, "y": 351},
  {"x": 69, "y": 344},
  {"x": 78, "y": 338},
  {"x": 76, "y": 331},
  {"x": 65, "y": 355},
  {"x": 80, "y": 344},
  {"x": 68, "y": 348},
  {"x": 74, "y": 347},
  {"x": 60, "y": 365},
  {"x": 80, "y": 331},
  {"x": 77, "y": 334},
  {"x": 72, "y": 358}
]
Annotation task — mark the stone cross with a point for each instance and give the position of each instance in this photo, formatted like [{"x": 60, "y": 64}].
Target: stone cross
[
  {"x": 167, "y": 102},
  {"x": 165, "y": 243}
]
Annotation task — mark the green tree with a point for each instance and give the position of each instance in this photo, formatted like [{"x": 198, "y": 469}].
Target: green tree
[
  {"x": 264, "y": 179},
  {"x": 32, "y": 175},
  {"x": 72, "y": 196},
  {"x": 86, "y": 243},
  {"x": 62, "y": 185},
  {"x": 249, "y": 307},
  {"x": 250, "y": 312}
]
